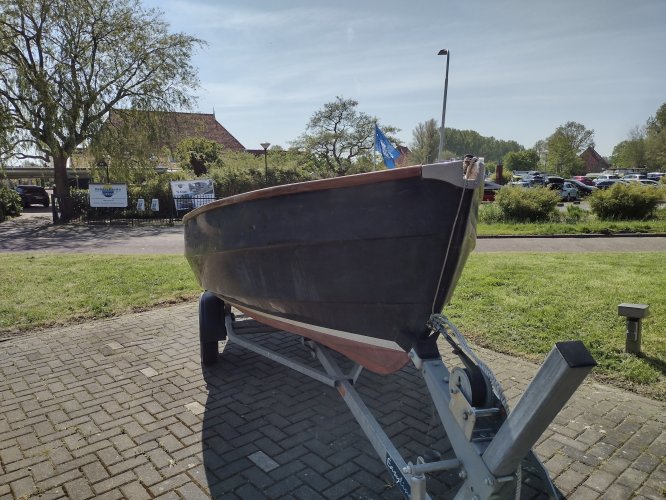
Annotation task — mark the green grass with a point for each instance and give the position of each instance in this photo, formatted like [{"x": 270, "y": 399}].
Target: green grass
[
  {"x": 521, "y": 304},
  {"x": 40, "y": 290},
  {"x": 518, "y": 303}
]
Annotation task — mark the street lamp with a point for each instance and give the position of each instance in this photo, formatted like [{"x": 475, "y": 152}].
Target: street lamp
[
  {"x": 105, "y": 165},
  {"x": 265, "y": 145},
  {"x": 447, "y": 53}
]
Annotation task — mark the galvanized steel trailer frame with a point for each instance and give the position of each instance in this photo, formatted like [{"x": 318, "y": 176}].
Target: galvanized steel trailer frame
[{"x": 492, "y": 450}]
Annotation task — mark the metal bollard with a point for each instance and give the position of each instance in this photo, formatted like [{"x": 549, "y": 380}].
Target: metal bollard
[{"x": 634, "y": 314}]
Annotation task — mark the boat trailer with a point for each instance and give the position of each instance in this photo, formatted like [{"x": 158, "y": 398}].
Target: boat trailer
[{"x": 492, "y": 447}]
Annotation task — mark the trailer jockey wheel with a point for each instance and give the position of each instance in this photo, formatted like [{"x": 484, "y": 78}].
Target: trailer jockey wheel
[{"x": 472, "y": 383}]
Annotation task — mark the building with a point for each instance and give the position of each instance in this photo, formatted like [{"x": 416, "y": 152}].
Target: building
[
  {"x": 172, "y": 127},
  {"x": 593, "y": 162}
]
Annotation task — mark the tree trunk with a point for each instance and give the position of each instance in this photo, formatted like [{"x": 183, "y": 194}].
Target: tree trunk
[{"x": 62, "y": 187}]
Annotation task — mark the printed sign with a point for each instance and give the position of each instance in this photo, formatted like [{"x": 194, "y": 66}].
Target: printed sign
[
  {"x": 155, "y": 205},
  {"x": 192, "y": 194},
  {"x": 400, "y": 480},
  {"x": 140, "y": 204},
  {"x": 108, "y": 195}
]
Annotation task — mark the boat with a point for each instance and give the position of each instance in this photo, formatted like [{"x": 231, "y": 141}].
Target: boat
[{"x": 356, "y": 263}]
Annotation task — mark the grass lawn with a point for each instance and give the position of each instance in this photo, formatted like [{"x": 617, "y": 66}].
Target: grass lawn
[
  {"x": 39, "y": 290},
  {"x": 522, "y": 303},
  {"x": 515, "y": 303}
]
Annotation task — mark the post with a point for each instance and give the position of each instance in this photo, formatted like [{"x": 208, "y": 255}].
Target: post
[
  {"x": 562, "y": 372},
  {"x": 447, "y": 53},
  {"x": 265, "y": 145},
  {"x": 105, "y": 165},
  {"x": 634, "y": 314}
]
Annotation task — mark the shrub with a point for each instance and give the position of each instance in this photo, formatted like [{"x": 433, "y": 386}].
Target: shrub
[
  {"x": 526, "y": 204},
  {"x": 10, "y": 203},
  {"x": 489, "y": 213},
  {"x": 626, "y": 201},
  {"x": 574, "y": 214}
]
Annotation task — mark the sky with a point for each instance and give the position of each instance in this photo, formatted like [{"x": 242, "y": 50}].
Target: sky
[{"x": 518, "y": 69}]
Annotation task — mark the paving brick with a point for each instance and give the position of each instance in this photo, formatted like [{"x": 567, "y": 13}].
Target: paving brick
[
  {"x": 100, "y": 422},
  {"x": 79, "y": 489}
]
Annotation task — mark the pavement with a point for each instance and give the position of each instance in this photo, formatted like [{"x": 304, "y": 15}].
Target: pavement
[{"x": 122, "y": 408}]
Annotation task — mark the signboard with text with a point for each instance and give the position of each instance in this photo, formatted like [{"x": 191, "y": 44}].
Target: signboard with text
[
  {"x": 192, "y": 194},
  {"x": 108, "y": 195}
]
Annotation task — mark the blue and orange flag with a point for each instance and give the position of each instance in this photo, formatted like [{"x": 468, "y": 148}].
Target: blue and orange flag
[{"x": 385, "y": 148}]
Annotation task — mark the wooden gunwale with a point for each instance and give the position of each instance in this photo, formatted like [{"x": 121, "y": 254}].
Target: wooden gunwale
[{"x": 309, "y": 186}]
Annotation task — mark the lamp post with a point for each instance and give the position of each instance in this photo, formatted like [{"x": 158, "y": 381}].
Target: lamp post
[
  {"x": 447, "y": 53},
  {"x": 105, "y": 165},
  {"x": 265, "y": 145}
]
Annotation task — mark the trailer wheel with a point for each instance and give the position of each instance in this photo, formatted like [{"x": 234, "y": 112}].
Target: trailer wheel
[{"x": 211, "y": 327}]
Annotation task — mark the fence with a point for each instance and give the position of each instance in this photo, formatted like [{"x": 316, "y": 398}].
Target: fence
[{"x": 159, "y": 211}]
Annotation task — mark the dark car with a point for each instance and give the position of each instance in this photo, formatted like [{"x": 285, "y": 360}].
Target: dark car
[
  {"x": 606, "y": 183},
  {"x": 583, "y": 189},
  {"x": 490, "y": 190},
  {"x": 553, "y": 180},
  {"x": 33, "y": 195}
]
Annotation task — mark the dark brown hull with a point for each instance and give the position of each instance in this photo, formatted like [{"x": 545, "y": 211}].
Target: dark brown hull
[{"x": 356, "y": 263}]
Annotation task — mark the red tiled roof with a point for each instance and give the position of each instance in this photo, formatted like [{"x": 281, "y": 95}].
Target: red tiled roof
[{"x": 179, "y": 126}]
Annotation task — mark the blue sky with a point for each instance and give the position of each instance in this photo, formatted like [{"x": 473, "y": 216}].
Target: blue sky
[{"x": 518, "y": 69}]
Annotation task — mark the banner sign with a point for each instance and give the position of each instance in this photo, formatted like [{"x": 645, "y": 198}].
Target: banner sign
[
  {"x": 155, "y": 205},
  {"x": 192, "y": 194},
  {"x": 141, "y": 205},
  {"x": 108, "y": 195}
]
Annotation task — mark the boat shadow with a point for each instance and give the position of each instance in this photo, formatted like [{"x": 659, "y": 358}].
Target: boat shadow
[{"x": 271, "y": 432}]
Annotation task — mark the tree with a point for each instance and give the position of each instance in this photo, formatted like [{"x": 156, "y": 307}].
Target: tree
[
  {"x": 338, "y": 136},
  {"x": 425, "y": 145},
  {"x": 64, "y": 64},
  {"x": 521, "y": 160},
  {"x": 655, "y": 141},
  {"x": 632, "y": 152},
  {"x": 198, "y": 153},
  {"x": 564, "y": 147}
]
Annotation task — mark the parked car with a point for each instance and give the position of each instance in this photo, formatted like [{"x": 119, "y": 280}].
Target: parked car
[
  {"x": 655, "y": 176},
  {"x": 649, "y": 182},
  {"x": 33, "y": 195},
  {"x": 583, "y": 189},
  {"x": 490, "y": 190},
  {"x": 606, "y": 177},
  {"x": 568, "y": 191},
  {"x": 519, "y": 183},
  {"x": 583, "y": 179},
  {"x": 635, "y": 177},
  {"x": 554, "y": 180},
  {"x": 605, "y": 183}
]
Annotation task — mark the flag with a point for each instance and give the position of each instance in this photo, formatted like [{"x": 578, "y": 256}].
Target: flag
[{"x": 385, "y": 148}]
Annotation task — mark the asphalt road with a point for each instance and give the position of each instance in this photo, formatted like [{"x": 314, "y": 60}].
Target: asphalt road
[{"x": 33, "y": 231}]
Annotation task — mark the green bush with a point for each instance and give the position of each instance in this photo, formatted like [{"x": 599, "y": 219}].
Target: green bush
[
  {"x": 626, "y": 201},
  {"x": 10, "y": 203},
  {"x": 521, "y": 204}
]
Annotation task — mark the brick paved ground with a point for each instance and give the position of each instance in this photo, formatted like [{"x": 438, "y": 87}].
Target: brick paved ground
[{"x": 121, "y": 408}]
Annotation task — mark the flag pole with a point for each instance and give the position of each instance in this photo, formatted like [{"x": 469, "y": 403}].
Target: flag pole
[{"x": 374, "y": 147}]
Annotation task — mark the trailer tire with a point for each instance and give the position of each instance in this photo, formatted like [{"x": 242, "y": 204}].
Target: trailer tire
[{"x": 211, "y": 327}]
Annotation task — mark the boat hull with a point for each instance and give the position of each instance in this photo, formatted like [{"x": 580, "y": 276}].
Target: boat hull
[{"x": 357, "y": 263}]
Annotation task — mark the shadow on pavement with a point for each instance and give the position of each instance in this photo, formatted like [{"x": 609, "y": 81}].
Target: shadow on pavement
[{"x": 270, "y": 432}]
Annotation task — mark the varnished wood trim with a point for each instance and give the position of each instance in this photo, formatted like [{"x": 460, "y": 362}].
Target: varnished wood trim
[{"x": 304, "y": 187}]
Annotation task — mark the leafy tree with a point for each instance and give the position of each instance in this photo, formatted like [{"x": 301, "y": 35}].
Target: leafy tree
[
  {"x": 655, "y": 141},
  {"x": 632, "y": 152},
  {"x": 64, "y": 64},
  {"x": 425, "y": 145},
  {"x": 564, "y": 147},
  {"x": 462, "y": 142},
  {"x": 521, "y": 160},
  {"x": 198, "y": 153},
  {"x": 338, "y": 136}
]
